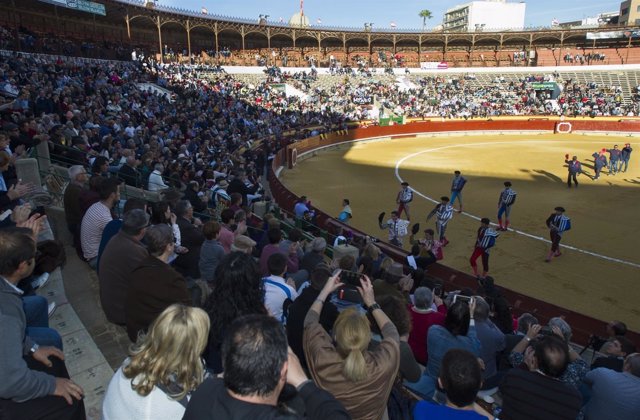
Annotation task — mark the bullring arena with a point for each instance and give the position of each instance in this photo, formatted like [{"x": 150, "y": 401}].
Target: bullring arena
[
  {"x": 306, "y": 111},
  {"x": 600, "y": 263}
]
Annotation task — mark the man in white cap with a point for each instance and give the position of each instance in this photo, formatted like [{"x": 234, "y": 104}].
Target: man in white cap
[
  {"x": 315, "y": 255},
  {"x": 244, "y": 244}
]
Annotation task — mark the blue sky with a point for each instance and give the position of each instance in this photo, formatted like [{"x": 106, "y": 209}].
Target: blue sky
[{"x": 404, "y": 13}]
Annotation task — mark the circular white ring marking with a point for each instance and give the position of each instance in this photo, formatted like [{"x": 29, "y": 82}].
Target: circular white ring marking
[{"x": 519, "y": 232}]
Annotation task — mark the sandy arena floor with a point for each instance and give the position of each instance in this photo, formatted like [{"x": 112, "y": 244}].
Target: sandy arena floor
[{"x": 599, "y": 277}]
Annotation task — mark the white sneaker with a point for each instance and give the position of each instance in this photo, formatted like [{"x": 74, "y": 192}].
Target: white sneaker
[
  {"x": 40, "y": 281},
  {"x": 52, "y": 308}
]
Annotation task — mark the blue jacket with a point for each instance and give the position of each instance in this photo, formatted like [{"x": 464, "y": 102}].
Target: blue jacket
[{"x": 439, "y": 341}]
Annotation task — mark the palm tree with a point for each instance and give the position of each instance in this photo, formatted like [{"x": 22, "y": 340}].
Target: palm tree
[{"x": 425, "y": 14}]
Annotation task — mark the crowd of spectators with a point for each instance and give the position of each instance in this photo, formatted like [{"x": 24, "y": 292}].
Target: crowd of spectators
[
  {"x": 359, "y": 323},
  {"x": 25, "y": 39},
  {"x": 362, "y": 95},
  {"x": 584, "y": 58}
]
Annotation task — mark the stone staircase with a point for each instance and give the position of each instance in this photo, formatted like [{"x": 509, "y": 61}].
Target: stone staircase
[{"x": 85, "y": 362}]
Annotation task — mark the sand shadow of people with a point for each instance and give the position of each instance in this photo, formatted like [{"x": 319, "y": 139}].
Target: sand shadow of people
[{"x": 552, "y": 177}]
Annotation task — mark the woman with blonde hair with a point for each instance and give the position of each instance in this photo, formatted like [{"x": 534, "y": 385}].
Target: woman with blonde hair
[
  {"x": 163, "y": 368},
  {"x": 359, "y": 378}
]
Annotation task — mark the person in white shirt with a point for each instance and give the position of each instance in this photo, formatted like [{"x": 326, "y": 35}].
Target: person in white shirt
[
  {"x": 398, "y": 228},
  {"x": 279, "y": 293},
  {"x": 96, "y": 218},
  {"x": 156, "y": 183},
  {"x": 162, "y": 370}
]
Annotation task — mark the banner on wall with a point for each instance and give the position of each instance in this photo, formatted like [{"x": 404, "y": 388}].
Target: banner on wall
[
  {"x": 434, "y": 65},
  {"x": 81, "y": 5},
  {"x": 544, "y": 85},
  {"x": 606, "y": 35}
]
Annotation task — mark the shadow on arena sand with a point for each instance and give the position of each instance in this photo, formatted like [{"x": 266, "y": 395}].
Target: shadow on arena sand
[{"x": 603, "y": 212}]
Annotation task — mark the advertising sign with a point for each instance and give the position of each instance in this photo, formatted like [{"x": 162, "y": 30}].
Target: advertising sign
[{"x": 81, "y": 5}]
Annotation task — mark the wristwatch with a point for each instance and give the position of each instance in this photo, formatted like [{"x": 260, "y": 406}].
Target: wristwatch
[
  {"x": 372, "y": 307},
  {"x": 34, "y": 348}
]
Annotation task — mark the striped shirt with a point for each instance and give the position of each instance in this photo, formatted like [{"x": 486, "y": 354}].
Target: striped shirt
[
  {"x": 93, "y": 223},
  {"x": 506, "y": 197},
  {"x": 558, "y": 222},
  {"x": 563, "y": 223},
  {"x": 485, "y": 236},
  {"x": 444, "y": 213},
  {"x": 405, "y": 196}
]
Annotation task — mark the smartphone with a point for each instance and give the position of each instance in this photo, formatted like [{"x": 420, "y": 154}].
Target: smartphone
[
  {"x": 467, "y": 299},
  {"x": 350, "y": 278},
  {"x": 546, "y": 331},
  {"x": 437, "y": 291},
  {"x": 349, "y": 295}
]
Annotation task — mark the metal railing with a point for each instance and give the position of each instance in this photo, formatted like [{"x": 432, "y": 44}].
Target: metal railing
[{"x": 256, "y": 21}]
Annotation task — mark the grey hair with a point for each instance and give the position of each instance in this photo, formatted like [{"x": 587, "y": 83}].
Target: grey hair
[
  {"x": 423, "y": 298},
  {"x": 525, "y": 321},
  {"x": 76, "y": 170},
  {"x": 157, "y": 238},
  {"x": 134, "y": 221},
  {"x": 182, "y": 207},
  {"x": 482, "y": 309},
  {"x": 562, "y": 324},
  {"x": 158, "y": 167}
]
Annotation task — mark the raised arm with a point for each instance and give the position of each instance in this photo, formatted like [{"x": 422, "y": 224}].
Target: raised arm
[{"x": 387, "y": 328}]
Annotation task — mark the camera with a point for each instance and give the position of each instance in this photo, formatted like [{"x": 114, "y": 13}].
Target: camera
[{"x": 596, "y": 342}]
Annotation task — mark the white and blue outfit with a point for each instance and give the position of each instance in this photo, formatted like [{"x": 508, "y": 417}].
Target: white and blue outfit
[
  {"x": 443, "y": 213},
  {"x": 398, "y": 229},
  {"x": 276, "y": 292},
  {"x": 456, "y": 189},
  {"x": 505, "y": 201}
]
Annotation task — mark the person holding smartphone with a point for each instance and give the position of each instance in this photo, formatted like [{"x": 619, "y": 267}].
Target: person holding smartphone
[
  {"x": 458, "y": 332},
  {"x": 359, "y": 378}
]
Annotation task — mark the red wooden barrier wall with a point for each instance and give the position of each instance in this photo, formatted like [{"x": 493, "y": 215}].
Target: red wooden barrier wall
[{"x": 582, "y": 325}]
